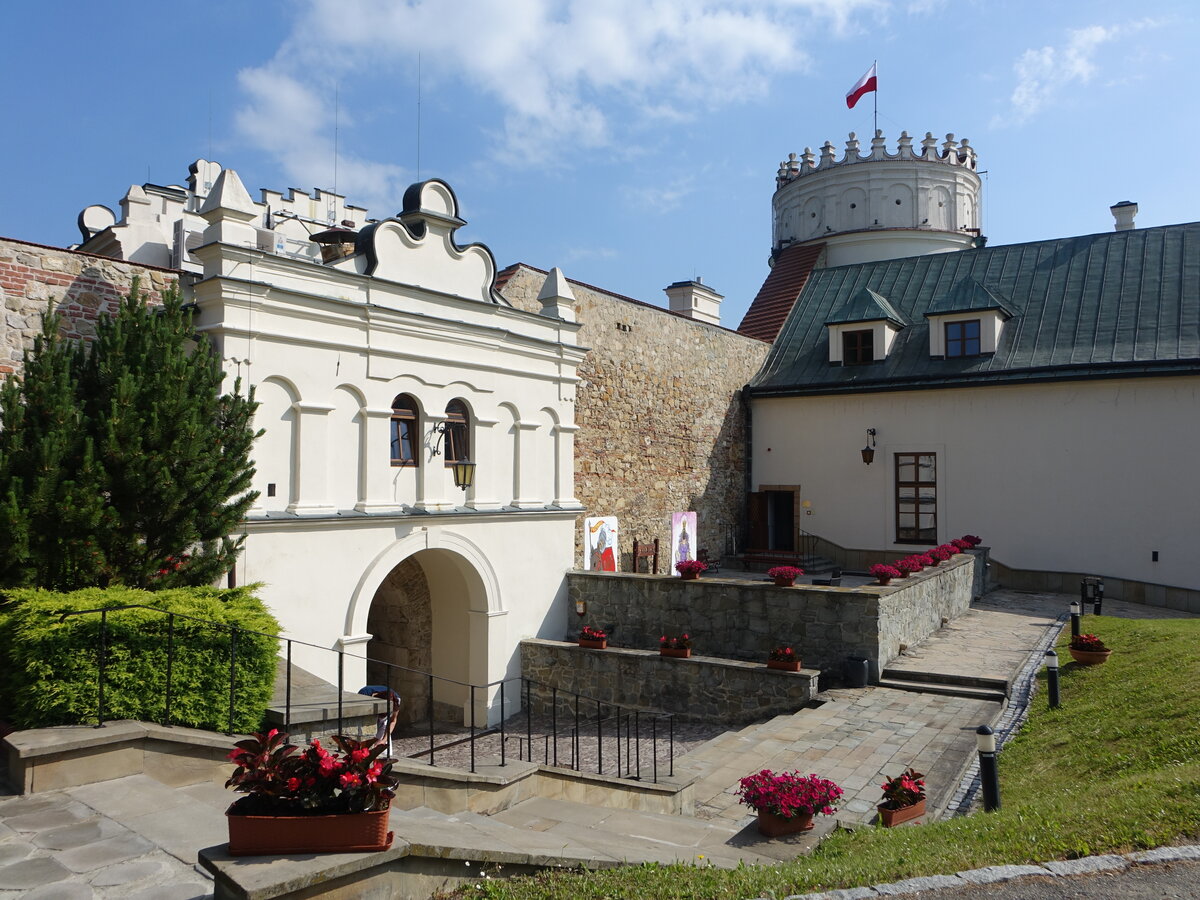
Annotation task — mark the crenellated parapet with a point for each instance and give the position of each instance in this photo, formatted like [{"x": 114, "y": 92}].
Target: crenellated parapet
[{"x": 951, "y": 153}]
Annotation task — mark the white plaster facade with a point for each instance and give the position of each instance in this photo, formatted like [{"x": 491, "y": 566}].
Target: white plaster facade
[
  {"x": 1041, "y": 471},
  {"x": 879, "y": 205},
  {"x": 327, "y": 348}
]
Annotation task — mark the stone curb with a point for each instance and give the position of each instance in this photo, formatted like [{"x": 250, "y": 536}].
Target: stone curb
[{"x": 993, "y": 874}]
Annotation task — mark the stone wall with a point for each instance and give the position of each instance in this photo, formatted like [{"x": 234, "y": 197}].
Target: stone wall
[
  {"x": 659, "y": 408},
  {"x": 81, "y": 286},
  {"x": 744, "y": 620},
  {"x": 698, "y": 689}
]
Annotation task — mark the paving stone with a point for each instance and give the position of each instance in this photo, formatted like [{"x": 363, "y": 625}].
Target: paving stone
[
  {"x": 12, "y": 851},
  {"x": 1165, "y": 854},
  {"x": 32, "y": 873},
  {"x": 64, "y": 891},
  {"x": 54, "y": 817},
  {"x": 194, "y": 890},
  {"x": 1087, "y": 864},
  {"x": 993, "y": 874},
  {"x": 126, "y": 873},
  {"x": 69, "y": 836},
  {"x": 105, "y": 853},
  {"x": 916, "y": 885}
]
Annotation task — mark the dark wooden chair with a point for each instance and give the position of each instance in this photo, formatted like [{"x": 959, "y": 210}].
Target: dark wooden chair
[
  {"x": 647, "y": 551},
  {"x": 714, "y": 565}
]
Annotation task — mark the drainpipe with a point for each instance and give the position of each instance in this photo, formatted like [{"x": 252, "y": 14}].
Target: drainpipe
[{"x": 748, "y": 480}]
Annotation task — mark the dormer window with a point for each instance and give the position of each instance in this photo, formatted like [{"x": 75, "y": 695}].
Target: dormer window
[
  {"x": 962, "y": 338},
  {"x": 857, "y": 348}
]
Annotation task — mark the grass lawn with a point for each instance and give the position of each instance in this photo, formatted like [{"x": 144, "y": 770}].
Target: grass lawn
[{"x": 1116, "y": 768}]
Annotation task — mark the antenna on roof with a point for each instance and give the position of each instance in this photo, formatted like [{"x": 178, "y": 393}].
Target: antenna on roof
[
  {"x": 336, "y": 110},
  {"x": 418, "y": 116}
]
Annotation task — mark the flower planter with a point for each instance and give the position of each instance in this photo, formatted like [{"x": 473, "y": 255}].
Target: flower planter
[
  {"x": 281, "y": 835},
  {"x": 883, "y": 581},
  {"x": 1089, "y": 657},
  {"x": 784, "y": 665},
  {"x": 688, "y": 576},
  {"x": 772, "y": 825},
  {"x": 784, "y": 582},
  {"x": 889, "y": 816},
  {"x": 675, "y": 654},
  {"x": 593, "y": 645}
]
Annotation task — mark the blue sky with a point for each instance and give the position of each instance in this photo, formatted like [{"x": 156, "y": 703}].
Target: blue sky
[{"x": 632, "y": 142}]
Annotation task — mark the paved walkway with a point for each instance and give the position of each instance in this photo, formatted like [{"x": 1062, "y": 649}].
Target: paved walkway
[{"x": 136, "y": 838}]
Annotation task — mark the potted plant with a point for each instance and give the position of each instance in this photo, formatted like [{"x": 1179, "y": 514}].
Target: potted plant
[
  {"x": 938, "y": 554},
  {"x": 903, "y": 798},
  {"x": 310, "y": 801},
  {"x": 786, "y": 803},
  {"x": 905, "y": 567},
  {"x": 949, "y": 548},
  {"x": 690, "y": 569},
  {"x": 884, "y": 573},
  {"x": 973, "y": 539},
  {"x": 593, "y": 638},
  {"x": 678, "y": 647},
  {"x": 784, "y": 659},
  {"x": 924, "y": 560},
  {"x": 1088, "y": 650},
  {"x": 960, "y": 545},
  {"x": 785, "y": 576}
]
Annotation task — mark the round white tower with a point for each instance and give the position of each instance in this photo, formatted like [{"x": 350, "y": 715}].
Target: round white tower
[{"x": 882, "y": 205}]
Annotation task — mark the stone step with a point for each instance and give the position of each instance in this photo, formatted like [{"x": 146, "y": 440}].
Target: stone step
[
  {"x": 942, "y": 689},
  {"x": 976, "y": 681}
]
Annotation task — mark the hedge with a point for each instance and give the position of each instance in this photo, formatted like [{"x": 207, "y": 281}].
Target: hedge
[{"x": 50, "y": 665}]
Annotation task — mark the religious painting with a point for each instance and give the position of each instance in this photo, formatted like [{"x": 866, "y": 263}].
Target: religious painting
[
  {"x": 683, "y": 538},
  {"x": 600, "y": 540}
]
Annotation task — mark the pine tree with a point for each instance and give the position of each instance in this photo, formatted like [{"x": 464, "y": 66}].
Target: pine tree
[
  {"x": 51, "y": 507},
  {"x": 174, "y": 452},
  {"x": 121, "y": 461}
]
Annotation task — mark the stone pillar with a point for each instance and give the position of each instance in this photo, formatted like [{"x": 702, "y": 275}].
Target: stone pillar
[
  {"x": 312, "y": 458},
  {"x": 375, "y": 468}
]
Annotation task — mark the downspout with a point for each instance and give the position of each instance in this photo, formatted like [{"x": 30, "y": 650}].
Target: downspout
[{"x": 748, "y": 481}]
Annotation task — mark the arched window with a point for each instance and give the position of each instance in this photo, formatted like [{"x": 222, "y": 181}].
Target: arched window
[
  {"x": 458, "y": 433},
  {"x": 404, "y": 431}
]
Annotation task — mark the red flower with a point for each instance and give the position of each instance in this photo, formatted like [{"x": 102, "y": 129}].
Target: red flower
[
  {"x": 360, "y": 754},
  {"x": 350, "y": 779}
]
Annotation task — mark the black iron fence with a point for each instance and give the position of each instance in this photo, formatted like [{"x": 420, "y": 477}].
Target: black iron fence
[{"x": 583, "y": 727}]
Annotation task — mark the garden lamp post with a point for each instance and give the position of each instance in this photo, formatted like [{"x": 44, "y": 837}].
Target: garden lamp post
[
  {"x": 1075, "y": 608},
  {"x": 989, "y": 776},
  {"x": 1052, "y": 678}
]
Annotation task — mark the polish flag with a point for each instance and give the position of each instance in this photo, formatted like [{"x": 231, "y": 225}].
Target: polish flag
[{"x": 864, "y": 85}]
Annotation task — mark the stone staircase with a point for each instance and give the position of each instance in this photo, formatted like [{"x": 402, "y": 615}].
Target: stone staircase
[{"x": 950, "y": 685}]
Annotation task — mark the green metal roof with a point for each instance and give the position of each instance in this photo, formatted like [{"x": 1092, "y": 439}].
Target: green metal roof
[
  {"x": 1121, "y": 303},
  {"x": 867, "y": 306}
]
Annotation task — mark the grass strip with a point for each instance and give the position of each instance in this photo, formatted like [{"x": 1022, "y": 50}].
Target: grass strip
[{"x": 1115, "y": 769}]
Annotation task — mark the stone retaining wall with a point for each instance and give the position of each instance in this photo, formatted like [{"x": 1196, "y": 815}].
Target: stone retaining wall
[
  {"x": 743, "y": 620},
  {"x": 698, "y": 689}
]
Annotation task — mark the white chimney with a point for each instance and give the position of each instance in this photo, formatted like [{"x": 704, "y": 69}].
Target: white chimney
[
  {"x": 1124, "y": 212},
  {"x": 696, "y": 300}
]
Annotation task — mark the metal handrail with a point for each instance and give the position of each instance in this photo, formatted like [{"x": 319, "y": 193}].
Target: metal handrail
[{"x": 527, "y": 685}]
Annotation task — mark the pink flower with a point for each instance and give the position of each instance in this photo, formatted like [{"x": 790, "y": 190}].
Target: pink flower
[
  {"x": 350, "y": 779},
  {"x": 360, "y": 754}
]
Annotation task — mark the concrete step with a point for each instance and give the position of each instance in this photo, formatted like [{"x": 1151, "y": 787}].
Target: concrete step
[
  {"x": 978, "y": 681},
  {"x": 943, "y": 689}
]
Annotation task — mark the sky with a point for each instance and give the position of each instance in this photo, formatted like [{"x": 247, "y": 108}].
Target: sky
[{"x": 634, "y": 143}]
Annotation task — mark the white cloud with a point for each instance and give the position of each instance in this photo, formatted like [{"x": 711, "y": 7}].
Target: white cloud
[
  {"x": 564, "y": 75},
  {"x": 1043, "y": 74},
  {"x": 662, "y": 198}
]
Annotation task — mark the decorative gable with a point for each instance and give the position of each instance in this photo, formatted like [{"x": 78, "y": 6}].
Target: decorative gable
[
  {"x": 967, "y": 302},
  {"x": 865, "y": 311}
]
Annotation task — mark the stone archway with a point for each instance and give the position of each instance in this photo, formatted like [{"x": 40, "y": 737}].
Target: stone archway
[{"x": 401, "y": 624}]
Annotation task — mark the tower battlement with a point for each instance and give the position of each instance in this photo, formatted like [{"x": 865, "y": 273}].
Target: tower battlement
[{"x": 952, "y": 153}]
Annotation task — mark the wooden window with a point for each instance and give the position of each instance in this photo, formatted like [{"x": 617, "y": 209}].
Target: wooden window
[
  {"x": 962, "y": 338},
  {"x": 916, "y": 498},
  {"x": 858, "y": 347},
  {"x": 404, "y": 431},
  {"x": 458, "y": 433}
]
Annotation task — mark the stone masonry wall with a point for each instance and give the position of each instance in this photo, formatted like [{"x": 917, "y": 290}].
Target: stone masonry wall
[
  {"x": 698, "y": 689},
  {"x": 744, "y": 620},
  {"x": 659, "y": 408},
  {"x": 81, "y": 286}
]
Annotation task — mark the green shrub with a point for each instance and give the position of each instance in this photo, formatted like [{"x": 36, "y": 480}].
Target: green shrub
[{"x": 51, "y": 663}]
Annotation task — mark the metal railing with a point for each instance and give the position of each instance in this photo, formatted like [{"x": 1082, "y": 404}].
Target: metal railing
[{"x": 608, "y": 720}]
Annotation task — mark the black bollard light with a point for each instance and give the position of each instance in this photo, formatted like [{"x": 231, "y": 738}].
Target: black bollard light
[
  {"x": 1083, "y": 597},
  {"x": 1075, "y": 607},
  {"x": 1052, "y": 678},
  {"x": 1098, "y": 596},
  {"x": 989, "y": 775}
]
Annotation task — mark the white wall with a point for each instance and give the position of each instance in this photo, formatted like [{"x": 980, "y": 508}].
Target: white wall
[{"x": 1088, "y": 476}]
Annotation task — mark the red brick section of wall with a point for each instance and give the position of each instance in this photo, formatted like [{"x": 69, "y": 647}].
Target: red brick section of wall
[
  {"x": 81, "y": 286},
  {"x": 660, "y": 414}
]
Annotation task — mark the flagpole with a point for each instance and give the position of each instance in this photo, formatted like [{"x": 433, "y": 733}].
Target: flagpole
[{"x": 875, "y": 66}]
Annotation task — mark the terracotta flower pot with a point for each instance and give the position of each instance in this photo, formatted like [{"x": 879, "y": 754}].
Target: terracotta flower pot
[
  {"x": 784, "y": 665},
  {"x": 1089, "y": 657},
  {"x": 889, "y": 816},
  {"x": 884, "y": 579},
  {"x": 772, "y": 825},
  {"x": 281, "y": 835},
  {"x": 689, "y": 576},
  {"x": 782, "y": 581},
  {"x": 594, "y": 645},
  {"x": 675, "y": 654}
]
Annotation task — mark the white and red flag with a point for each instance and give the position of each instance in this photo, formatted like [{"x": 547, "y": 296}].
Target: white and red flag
[{"x": 864, "y": 85}]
